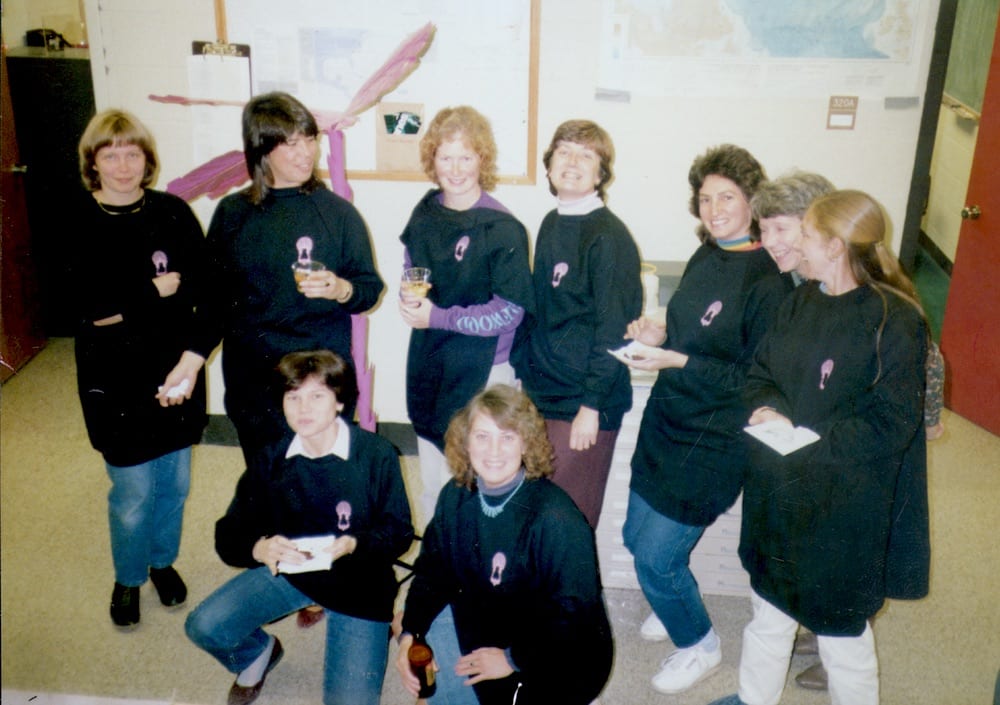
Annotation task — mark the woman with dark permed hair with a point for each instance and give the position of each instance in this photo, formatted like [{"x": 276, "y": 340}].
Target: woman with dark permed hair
[{"x": 691, "y": 452}]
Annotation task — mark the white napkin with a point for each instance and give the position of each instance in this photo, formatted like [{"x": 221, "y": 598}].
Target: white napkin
[
  {"x": 313, "y": 545},
  {"x": 781, "y": 437}
]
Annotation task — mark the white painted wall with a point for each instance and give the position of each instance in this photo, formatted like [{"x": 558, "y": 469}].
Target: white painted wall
[{"x": 139, "y": 47}]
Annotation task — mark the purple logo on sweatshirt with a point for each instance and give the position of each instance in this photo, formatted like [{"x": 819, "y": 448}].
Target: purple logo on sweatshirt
[
  {"x": 496, "y": 572},
  {"x": 461, "y": 247},
  {"x": 304, "y": 249},
  {"x": 343, "y": 515},
  {"x": 558, "y": 272},
  {"x": 825, "y": 370},
  {"x": 160, "y": 262},
  {"x": 711, "y": 312}
]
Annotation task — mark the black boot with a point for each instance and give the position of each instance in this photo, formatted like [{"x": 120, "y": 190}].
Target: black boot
[
  {"x": 169, "y": 586},
  {"x": 125, "y": 606}
]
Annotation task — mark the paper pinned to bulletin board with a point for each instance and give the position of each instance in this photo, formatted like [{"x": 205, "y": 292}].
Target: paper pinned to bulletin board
[
  {"x": 483, "y": 54},
  {"x": 220, "y": 73}
]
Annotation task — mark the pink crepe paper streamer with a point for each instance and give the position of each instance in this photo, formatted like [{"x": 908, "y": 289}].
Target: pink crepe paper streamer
[
  {"x": 359, "y": 322},
  {"x": 364, "y": 371},
  {"x": 336, "y": 163},
  {"x": 221, "y": 174},
  {"x": 218, "y": 176},
  {"x": 214, "y": 178},
  {"x": 397, "y": 67}
]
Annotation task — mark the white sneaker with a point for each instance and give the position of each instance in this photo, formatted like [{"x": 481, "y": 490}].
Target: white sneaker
[
  {"x": 685, "y": 667},
  {"x": 652, "y": 629}
]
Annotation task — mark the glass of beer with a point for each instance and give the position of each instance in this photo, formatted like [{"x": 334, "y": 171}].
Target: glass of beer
[
  {"x": 415, "y": 284},
  {"x": 303, "y": 269}
]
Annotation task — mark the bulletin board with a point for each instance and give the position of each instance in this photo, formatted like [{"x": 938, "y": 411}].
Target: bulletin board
[
  {"x": 971, "y": 48},
  {"x": 483, "y": 54}
]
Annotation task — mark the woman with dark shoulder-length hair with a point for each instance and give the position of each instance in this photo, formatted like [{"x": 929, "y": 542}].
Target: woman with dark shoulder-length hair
[
  {"x": 508, "y": 566},
  {"x": 691, "y": 453},
  {"x": 477, "y": 254},
  {"x": 832, "y": 529},
  {"x": 136, "y": 273},
  {"x": 285, "y": 220}
]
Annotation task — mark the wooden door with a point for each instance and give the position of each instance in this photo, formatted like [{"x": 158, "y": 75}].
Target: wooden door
[
  {"x": 20, "y": 301},
  {"x": 970, "y": 333}
]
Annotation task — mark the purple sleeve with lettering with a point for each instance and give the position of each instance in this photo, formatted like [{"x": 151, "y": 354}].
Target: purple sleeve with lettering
[{"x": 487, "y": 320}]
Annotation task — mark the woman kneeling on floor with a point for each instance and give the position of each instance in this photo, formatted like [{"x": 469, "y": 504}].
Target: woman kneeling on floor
[{"x": 319, "y": 517}]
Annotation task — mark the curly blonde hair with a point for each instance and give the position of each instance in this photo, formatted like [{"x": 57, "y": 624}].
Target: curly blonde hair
[
  {"x": 475, "y": 131},
  {"x": 511, "y": 410}
]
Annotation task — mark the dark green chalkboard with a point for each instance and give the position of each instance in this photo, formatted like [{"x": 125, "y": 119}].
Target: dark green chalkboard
[{"x": 971, "y": 46}]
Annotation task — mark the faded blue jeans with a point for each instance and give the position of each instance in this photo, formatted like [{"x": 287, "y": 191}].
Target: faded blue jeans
[
  {"x": 228, "y": 625},
  {"x": 451, "y": 688},
  {"x": 145, "y": 513},
  {"x": 662, "y": 551}
]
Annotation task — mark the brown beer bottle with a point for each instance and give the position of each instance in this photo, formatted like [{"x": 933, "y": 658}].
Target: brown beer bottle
[{"x": 421, "y": 663}]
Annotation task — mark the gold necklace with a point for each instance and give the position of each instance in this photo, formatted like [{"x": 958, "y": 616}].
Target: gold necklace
[{"x": 136, "y": 209}]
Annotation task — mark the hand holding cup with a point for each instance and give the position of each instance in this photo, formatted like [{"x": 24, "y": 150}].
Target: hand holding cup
[
  {"x": 414, "y": 286},
  {"x": 304, "y": 270}
]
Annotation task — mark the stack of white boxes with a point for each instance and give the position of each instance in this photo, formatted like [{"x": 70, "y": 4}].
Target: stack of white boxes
[{"x": 714, "y": 561}]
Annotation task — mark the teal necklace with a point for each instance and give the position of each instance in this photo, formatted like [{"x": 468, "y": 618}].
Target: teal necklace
[{"x": 493, "y": 512}]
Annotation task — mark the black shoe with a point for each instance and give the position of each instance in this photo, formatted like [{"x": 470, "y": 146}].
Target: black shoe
[
  {"x": 169, "y": 586},
  {"x": 125, "y": 606},
  {"x": 246, "y": 694}
]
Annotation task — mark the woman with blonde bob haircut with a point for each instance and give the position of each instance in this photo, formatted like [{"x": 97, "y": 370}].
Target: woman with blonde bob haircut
[
  {"x": 136, "y": 276},
  {"x": 114, "y": 128},
  {"x": 832, "y": 529},
  {"x": 477, "y": 252},
  {"x": 507, "y": 572}
]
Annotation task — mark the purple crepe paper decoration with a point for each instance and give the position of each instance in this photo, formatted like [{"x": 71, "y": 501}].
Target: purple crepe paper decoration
[
  {"x": 214, "y": 178},
  {"x": 221, "y": 174},
  {"x": 359, "y": 322}
]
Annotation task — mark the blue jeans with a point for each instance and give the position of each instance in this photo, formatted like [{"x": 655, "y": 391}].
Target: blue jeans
[
  {"x": 145, "y": 512},
  {"x": 228, "y": 626},
  {"x": 451, "y": 688},
  {"x": 662, "y": 551}
]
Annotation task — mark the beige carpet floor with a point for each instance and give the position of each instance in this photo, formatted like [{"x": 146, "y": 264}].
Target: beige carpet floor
[{"x": 56, "y": 579}]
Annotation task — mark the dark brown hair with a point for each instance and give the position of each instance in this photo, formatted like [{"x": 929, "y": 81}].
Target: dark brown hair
[
  {"x": 328, "y": 367},
  {"x": 270, "y": 120},
  {"x": 733, "y": 163},
  {"x": 592, "y": 136}
]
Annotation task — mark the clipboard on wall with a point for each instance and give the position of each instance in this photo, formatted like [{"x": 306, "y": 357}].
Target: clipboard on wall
[{"x": 218, "y": 71}]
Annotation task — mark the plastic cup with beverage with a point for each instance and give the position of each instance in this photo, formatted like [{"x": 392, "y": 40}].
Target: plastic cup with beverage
[
  {"x": 415, "y": 284},
  {"x": 304, "y": 269}
]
